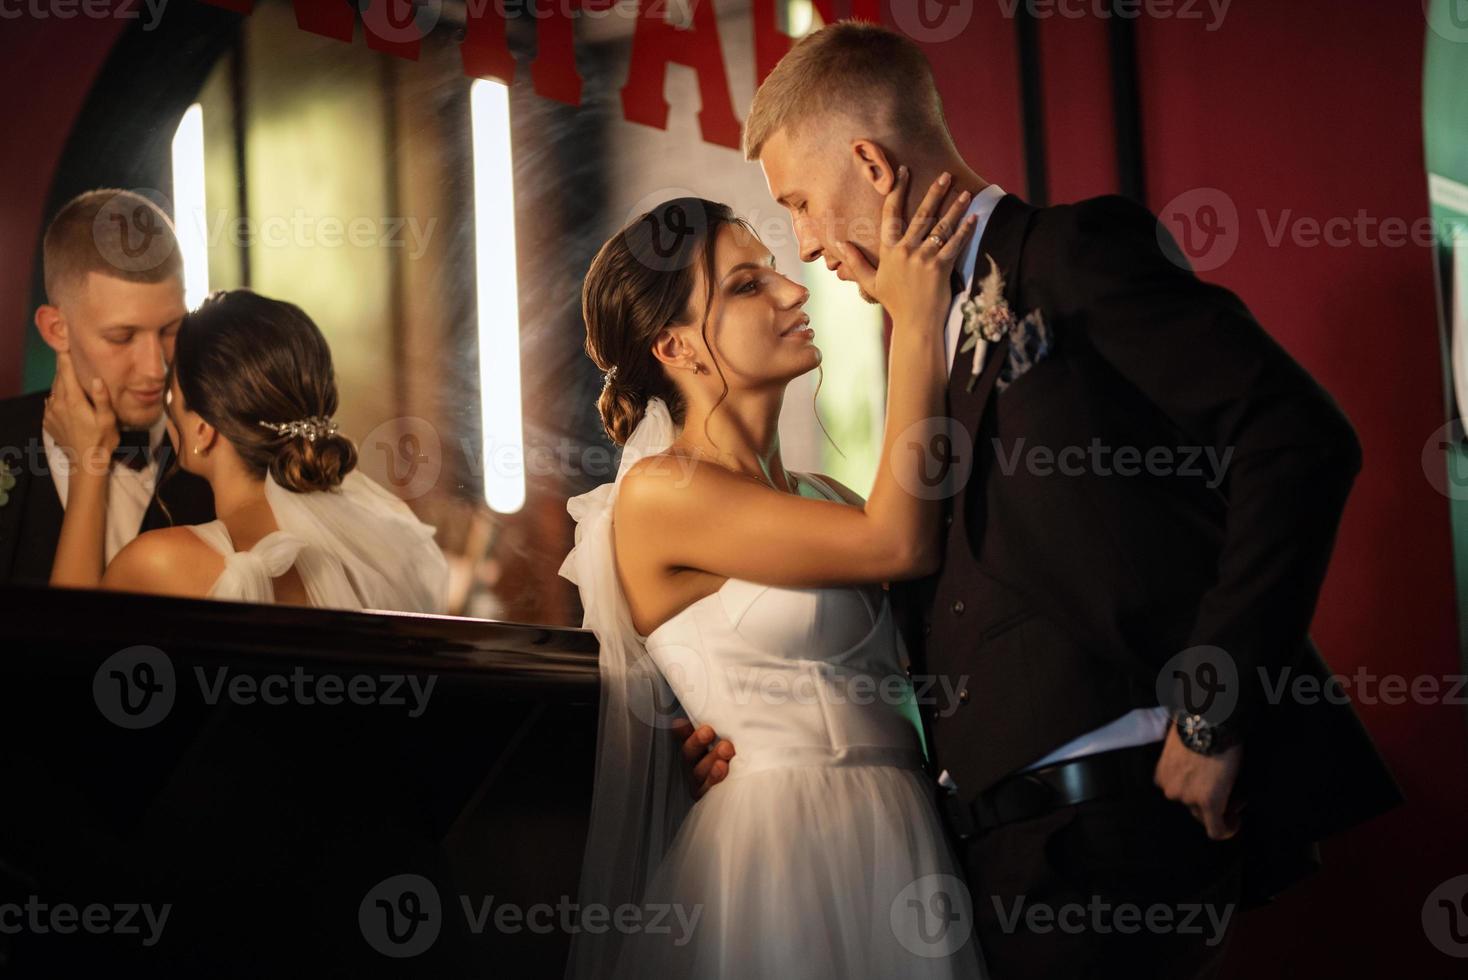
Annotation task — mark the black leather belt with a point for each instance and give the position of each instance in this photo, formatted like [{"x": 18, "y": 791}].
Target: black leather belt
[{"x": 1026, "y": 795}]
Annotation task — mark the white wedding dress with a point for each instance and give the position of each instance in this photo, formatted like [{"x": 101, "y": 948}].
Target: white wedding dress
[
  {"x": 357, "y": 547},
  {"x": 821, "y": 855}
]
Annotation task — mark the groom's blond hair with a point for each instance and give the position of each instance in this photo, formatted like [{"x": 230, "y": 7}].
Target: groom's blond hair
[
  {"x": 83, "y": 238},
  {"x": 854, "y": 67}
]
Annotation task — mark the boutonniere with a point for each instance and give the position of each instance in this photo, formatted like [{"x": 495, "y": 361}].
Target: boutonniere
[
  {"x": 988, "y": 315},
  {"x": 7, "y": 483}
]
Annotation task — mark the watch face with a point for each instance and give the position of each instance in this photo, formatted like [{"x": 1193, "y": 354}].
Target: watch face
[{"x": 1196, "y": 733}]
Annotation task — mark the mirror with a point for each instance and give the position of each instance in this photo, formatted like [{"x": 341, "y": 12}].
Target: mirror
[{"x": 437, "y": 227}]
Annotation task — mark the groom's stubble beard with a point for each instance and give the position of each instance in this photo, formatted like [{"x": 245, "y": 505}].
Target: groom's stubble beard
[
  {"x": 139, "y": 420},
  {"x": 867, "y": 297},
  {"x": 133, "y": 416}
]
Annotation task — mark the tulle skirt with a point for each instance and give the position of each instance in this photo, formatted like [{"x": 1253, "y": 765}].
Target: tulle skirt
[{"x": 839, "y": 872}]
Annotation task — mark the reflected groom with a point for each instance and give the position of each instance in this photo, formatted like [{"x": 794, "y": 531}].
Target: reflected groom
[{"x": 115, "y": 301}]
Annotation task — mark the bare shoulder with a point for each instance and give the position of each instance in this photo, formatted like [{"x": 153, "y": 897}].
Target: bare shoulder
[
  {"x": 667, "y": 498},
  {"x": 170, "y": 560},
  {"x": 664, "y": 481},
  {"x": 847, "y": 494}
]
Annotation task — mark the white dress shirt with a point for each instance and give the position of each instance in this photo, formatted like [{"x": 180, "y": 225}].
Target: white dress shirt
[
  {"x": 129, "y": 491},
  {"x": 983, "y": 206},
  {"x": 1140, "y": 726}
]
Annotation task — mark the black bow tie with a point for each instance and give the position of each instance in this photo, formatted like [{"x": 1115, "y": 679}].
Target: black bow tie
[{"x": 133, "y": 449}]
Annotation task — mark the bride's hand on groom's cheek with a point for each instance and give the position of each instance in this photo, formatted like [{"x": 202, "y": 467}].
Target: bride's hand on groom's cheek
[
  {"x": 703, "y": 766},
  {"x": 911, "y": 275},
  {"x": 80, "y": 417}
]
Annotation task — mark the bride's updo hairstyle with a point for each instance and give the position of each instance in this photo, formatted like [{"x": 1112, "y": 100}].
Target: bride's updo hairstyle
[
  {"x": 640, "y": 282},
  {"x": 242, "y": 359}
]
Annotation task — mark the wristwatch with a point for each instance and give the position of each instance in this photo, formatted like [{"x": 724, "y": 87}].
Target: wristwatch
[{"x": 1202, "y": 736}]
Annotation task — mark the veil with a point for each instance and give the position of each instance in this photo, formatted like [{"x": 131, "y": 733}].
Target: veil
[
  {"x": 640, "y": 796},
  {"x": 363, "y": 547}
]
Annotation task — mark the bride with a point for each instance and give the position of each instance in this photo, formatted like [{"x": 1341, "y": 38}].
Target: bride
[
  {"x": 250, "y": 395},
  {"x": 752, "y": 595}
]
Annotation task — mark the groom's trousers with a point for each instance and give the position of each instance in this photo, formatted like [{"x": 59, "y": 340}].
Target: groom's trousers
[{"x": 1126, "y": 886}]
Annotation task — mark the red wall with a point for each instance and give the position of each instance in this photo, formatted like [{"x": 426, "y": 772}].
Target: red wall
[
  {"x": 1315, "y": 107},
  {"x": 978, "y": 76},
  {"x": 1079, "y": 129},
  {"x": 1311, "y": 109},
  {"x": 48, "y": 67}
]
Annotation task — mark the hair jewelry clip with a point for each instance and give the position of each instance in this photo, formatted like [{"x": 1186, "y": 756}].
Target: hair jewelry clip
[{"x": 313, "y": 427}]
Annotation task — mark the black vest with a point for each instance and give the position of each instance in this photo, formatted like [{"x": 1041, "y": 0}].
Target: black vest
[{"x": 975, "y": 626}]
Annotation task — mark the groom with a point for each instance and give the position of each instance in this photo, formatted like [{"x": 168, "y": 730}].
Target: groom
[
  {"x": 1119, "y": 768},
  {"x": 115, "y": 299}
]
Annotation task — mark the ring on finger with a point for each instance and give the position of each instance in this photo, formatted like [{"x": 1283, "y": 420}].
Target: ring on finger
[{"x": 936, "y": 239}]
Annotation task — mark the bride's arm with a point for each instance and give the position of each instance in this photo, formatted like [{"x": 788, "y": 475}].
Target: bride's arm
[
  {"x": 851, "y": 497},
  {"x": 86, "y": 432},
  {"x": 79, "y": 550},
  {"x": 705, "y": 517}
]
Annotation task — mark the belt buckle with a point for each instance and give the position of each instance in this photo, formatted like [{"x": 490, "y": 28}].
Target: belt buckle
[
  {"x": 1037, "y": 795},
  {"x": 1021, "y": 796}
]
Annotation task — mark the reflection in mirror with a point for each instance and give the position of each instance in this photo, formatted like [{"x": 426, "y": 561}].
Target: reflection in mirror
[{"x": 437, "y": 228}]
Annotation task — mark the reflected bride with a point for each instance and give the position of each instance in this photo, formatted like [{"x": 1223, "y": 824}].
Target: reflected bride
[{"x": 249, "y": 401}]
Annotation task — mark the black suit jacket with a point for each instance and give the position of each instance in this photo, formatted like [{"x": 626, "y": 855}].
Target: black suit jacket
[
  {"x": 1064, "y": 592},
  {"x": 30, "y": 522}
]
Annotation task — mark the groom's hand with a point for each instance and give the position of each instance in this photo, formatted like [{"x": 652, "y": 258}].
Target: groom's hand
[
  {"x": 1202, "y": 783},
  {"x": 703, "y": 766}
]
